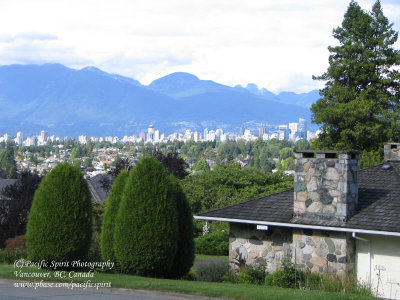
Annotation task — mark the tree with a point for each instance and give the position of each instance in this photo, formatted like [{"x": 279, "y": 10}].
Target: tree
[
  {"x": 110, "y": 213},
  {"x": 202, "y": 165},
  {"x": 118, "y": 165},
  {"x": 359, "y": 108},
  {"x": 60, "y": 221},
  {"x": 148, "y": 216},
  {"x": 230, "y": 184},
  {"x": 174, "y": 164},
  {"x": 14, "y": 213},
  {"x": 184, "y": 256},
  {"x": 7, "y": 161}
]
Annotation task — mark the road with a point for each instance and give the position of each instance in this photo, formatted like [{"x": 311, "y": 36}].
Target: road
[{"x": 9, "y": 292}]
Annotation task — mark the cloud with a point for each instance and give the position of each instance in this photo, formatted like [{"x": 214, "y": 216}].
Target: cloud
[
  {"x": 31, "y": 36},
  {"x": 275, "y": 44},
  {"x": 38, "y": 49}
]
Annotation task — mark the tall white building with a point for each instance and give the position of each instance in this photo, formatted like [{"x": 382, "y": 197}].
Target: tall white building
[
  {"x": 150, "y": 134},
  {"x": 43, "y": 135},
  {"x": 82, "y": 139},
  {"x": 20, "y": 138},
  {"x": 157, "y": 136},
  {"x": 293, "y": 127},
  {"x": 302, "y": 129}
]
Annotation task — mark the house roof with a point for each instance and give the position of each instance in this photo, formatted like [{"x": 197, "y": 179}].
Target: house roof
[
  {"x": 378, "y": 204},
  {"x": 4, "y": 183},
  {"x": 97, "y": 191}
]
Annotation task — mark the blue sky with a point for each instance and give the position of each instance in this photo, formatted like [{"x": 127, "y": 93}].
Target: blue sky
[{"x": 278, "y": 45}]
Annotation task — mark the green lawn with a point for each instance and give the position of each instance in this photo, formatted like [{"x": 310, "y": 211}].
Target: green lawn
[
  {"x": 228, "y": 290},
  {"x": 202, "y": 257}
]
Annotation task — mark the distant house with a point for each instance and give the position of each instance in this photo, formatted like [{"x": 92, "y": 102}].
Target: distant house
[
  {"x": 98, "y": 186},
  {"x": 338, "y": 218}
]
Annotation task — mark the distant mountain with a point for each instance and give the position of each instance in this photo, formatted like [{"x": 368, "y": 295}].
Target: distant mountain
[
  {"x": 89, "y": 101},
  {"x": 302, "y": 99},
  {"x": 180, "y": 85}
]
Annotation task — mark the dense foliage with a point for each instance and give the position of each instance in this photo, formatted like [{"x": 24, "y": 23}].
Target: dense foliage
[
  {"x": 230, "y": 184},
  {"x": 110, "y": 213},
  {"x": 174, "y": 164},
  {"x": 60, "y": 220},
  {"x": 14, "y": 213},
  {"x": 7, "y": 162},
  {"x": 184, "y": 256},
  {"x": 359, "y": 108},
  {"x": 213, "y": 243},
  {"x": 148, "y": 217}
]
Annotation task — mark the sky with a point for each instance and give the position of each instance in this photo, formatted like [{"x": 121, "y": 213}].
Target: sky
[{"x": 277, "y": 45}]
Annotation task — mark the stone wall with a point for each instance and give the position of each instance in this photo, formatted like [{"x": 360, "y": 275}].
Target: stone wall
[
  {"x": 325, "y": 185},
  {"x": 314, "y": 250},
  {"x": 266, "y": 247}
]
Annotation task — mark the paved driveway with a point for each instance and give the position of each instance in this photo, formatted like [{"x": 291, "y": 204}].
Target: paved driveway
[{"x": 9, "y": 292}]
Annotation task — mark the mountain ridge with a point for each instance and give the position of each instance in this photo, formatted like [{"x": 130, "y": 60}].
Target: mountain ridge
[{"x": 90, "y": 101}]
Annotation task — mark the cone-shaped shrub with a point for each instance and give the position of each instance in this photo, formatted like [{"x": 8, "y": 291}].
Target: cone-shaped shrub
[
  {"x": 60, "y": 221},
  {"x": 184, "y": 256},
  {"x": 110, "y": 214},
  {"x": 146, "y": 228}
]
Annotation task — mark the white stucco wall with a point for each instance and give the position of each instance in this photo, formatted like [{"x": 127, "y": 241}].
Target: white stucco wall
[{"x": 381, "y": 252}]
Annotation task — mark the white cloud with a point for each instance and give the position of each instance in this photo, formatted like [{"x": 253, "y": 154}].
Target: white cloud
[{"x": 278, "y": 45}]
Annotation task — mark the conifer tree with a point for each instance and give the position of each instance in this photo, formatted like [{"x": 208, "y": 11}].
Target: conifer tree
[
  {"x": 146, "y": 227},
  {"x": 359, "y": 108},
  {"x": 110, "y": 214},
  {"x": 184, "y": 256},
  {"x": 60, "y": 220}
]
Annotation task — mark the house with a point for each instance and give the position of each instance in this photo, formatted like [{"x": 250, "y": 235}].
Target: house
[
  {"x": 336, "y": 219},
  {"x": 99, "y": 186}
]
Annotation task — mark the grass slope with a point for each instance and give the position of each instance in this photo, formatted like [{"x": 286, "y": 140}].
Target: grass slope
[{"x": 228, "y": 290}]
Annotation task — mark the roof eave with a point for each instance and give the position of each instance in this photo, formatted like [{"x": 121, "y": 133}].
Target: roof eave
[{"x": 302, "y": 226}]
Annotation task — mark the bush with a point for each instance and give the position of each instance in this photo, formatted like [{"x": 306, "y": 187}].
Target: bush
[
  {"x": 146, "y": 227},
  {"x": 18, "y": 242},
  {"x": 97, "y": 217},
  {"x": 110, "y": 213},
  {"x": 60, "y": 220},
  {"x": 214, "y": 243},
  {"x": 252, "y": 275},
  {"x": 290, "y": 277},
  {"x": 184, "y": 256},
  {"x": 11, "y": 256},
  {"x": 213, "y": 270},
  {"x": 286, "y": 277}
]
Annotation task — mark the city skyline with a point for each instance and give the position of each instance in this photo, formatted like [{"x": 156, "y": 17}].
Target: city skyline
[{"x": 292, "y": 131}]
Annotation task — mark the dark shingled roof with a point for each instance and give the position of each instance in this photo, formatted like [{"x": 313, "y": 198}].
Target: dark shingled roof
[
  {"x": 4, "y": 183},
  {"x": 378, "y": 204},
  {"x": 96, "y": 189}
]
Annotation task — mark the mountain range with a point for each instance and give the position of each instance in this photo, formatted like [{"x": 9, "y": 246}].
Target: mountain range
[{"x": 71, "y": 102}]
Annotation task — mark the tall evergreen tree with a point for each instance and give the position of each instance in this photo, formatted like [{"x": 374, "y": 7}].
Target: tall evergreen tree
[
  {"x": 7, "y": 161},
  {"x": 60, "y": 221},
  {"x": 359, "y": 108},
  {"x": 110, "y": 213},
  {"x": 146, "y": 227},
  {"x": 184, "y": 256}
]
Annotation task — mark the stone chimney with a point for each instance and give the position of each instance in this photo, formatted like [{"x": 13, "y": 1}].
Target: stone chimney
[
  {"x": 392, "y": 152},
  {"x": 325, "y": 185}
]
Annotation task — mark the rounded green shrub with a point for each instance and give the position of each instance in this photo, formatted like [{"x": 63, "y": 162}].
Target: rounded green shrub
[
  {"x": 146, "y": 227},
  {"x": 110, "y": 213},
  {"x": 213, "y": 243},
  {"x": 60, "y": 220},
  {"x": 185, "y": 254}
]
